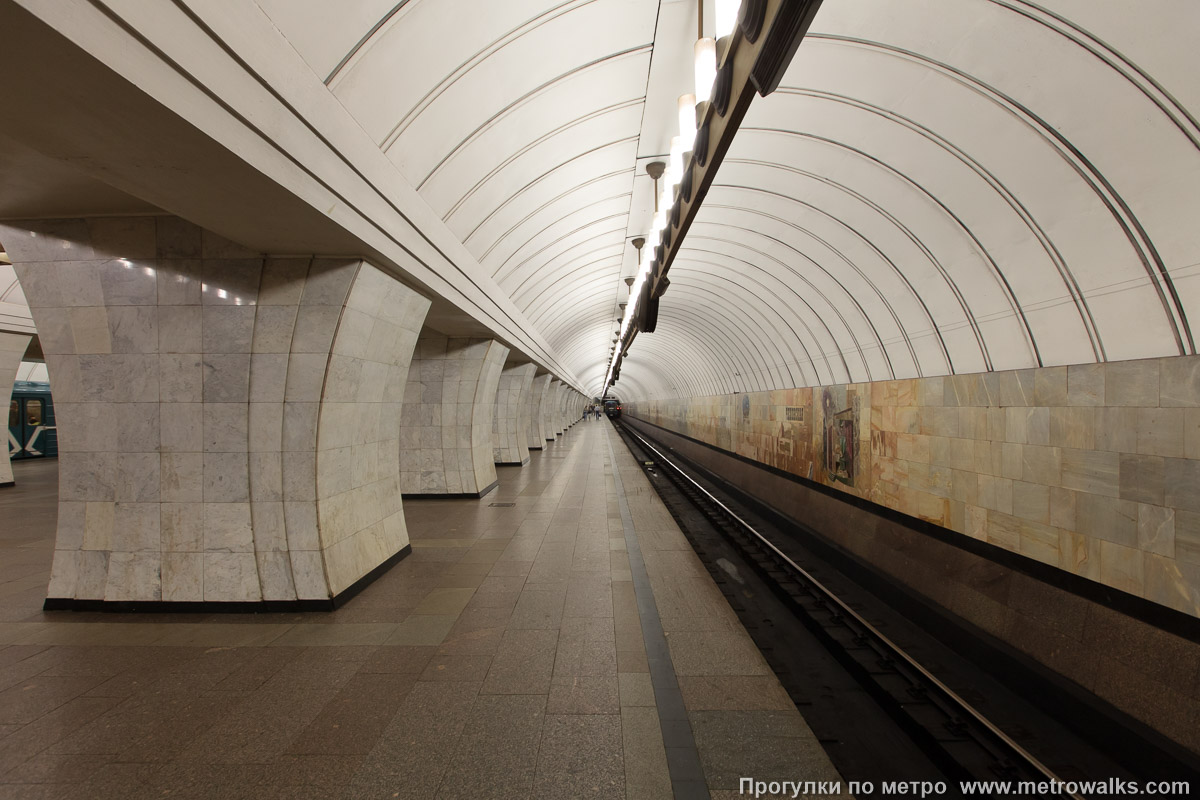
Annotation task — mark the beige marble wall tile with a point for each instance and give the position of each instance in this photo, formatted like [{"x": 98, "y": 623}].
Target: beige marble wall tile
[
  {"x": 1122, "y": 567},
  {"x": 1179, "y": 382},
  {"x": 1160, "y": 431},
  {"x": 1091, "y": 471},
  {"x": 1108, "y": 518},
  {"x": 1175, "y": 584},
  {"x": 1186, "y": 537},
  {"x": 1079, "y": 554},
  {"x": 1072, "y": 427},
  {"x": 1142, "y": 478},
  {"x": 1156, "y": 530},
  {"x": 1031, "y": 501},
  {"x": 1085, "y": 385},
  {"x": 1132, "y": 383}
]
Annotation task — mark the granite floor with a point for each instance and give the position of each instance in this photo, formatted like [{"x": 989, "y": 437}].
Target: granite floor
[{"x": 505, "y": 658}]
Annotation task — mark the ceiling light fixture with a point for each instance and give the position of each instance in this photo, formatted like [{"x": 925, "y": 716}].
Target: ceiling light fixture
[{"x": 705, "y": 52}]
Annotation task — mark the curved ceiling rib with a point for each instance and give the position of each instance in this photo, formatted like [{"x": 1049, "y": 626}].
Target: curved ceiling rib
[
  {"x": 844, "y": 262},
  {"x": 798, "y": 291},
  {"x": 609, "y": 229},
  {"x": 518, "y": 102},
  {"x": 747, "y": 330},
  {"x": 996, "y": 184},
  {"x": 1087, "y": 171},
  {"x": 760, "y": 296},
  {"x": 782, "y": 337},
  {"x": 806, "y": 340},
  {"x": 516, "y": 195},
  {"x": 475, "y": 60},
  {"x": 531, "y": 146},
  {"x": 995, "y": 270},
  {"x": 936, "y": 187},
  {"x": 562, "y": 196},
  {"x": 1041, "y": 231}
]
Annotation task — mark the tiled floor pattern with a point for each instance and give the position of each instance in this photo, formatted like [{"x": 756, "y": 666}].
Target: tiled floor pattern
[{"x": 503, "y": 659}]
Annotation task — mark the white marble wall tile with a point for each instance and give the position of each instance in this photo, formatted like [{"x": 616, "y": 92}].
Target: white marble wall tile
[
  {"x": 308, "y": 574},
  {"x": 133, "y": 329},
  {"x": 98, "y": 521},
  {"x": 300, "y": 426},
  {"x": 72, "y": 520},
  {"x": 181, "y": 478},
  {"x": 181, "y": 378},
  {"x": 275, "y": 576},
  {"x": 128, "y": 282},
  {"x": 133, "y": 576},
  {"x": 273, "y": 328},
  {"x": 300, "y": 517},
  {"x": 78, "y": 283},
  {"x": 268, "y": 377},
  {"x": 226, "y": 377},
  {"x": 180, "y": 282},
  {"x": 226, "y": 478},
  {"x": 138, "y": 525},
  {"x": 137, "y": 477},
  {"x": 183, "y": 577},
  {"x": 89, "y": 330},
  {"x": 306, "y": 375},
  {"x": 181, "y": 426},
  {"x": 329, "y": 281},
  {"x": 228, "y": 527},
  {"x": 266, "y": 476},
  {"x": 269, "y": 528},
  {"x": 182, "y": 527},
  {"x": 231, "y": 577},
  {"x": 180, "y": 329},
  {"x": 282, "y": 281},
  {"x": 224, "y": 427}
]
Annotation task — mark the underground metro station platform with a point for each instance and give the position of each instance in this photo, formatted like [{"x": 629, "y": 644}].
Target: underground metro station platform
[{"x": 599, "y": 399}]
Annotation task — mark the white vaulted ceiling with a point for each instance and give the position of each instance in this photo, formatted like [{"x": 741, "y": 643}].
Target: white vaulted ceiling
[
  {"x": 518, "y": 122},
  {"x": 946, "y": 186},
  {"x": 938, "y": 186}
]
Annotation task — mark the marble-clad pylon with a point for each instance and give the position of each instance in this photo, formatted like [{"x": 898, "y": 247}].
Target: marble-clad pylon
[
  {"x": 229, "y": 423},
  {"x": 510, "y": 424},
  {"x": 446, "y": 443},
  {"x": 550, "y": 410},
  {"x": 539, "y": 390}
]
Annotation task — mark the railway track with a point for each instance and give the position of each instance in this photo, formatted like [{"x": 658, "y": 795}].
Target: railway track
[{"x": 955, "y": 741}]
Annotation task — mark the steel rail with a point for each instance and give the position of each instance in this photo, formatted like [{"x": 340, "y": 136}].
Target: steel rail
[{"x": 891, "y": 646}]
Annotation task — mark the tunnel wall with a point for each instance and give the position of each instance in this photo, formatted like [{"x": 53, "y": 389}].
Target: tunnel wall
[
  {"x": 1140, "y": 668},
  {"x": 1092, "y": 469}
]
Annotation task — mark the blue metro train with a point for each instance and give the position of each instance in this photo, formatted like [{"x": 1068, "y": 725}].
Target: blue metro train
[{"x": 31, "y": 429}]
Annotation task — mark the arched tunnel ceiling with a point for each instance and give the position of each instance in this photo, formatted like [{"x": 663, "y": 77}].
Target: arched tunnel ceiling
[
  {"x": 946, "y": 187},
  {"x": 519, "y": 123},
  {"x": 937, "y": 186}
]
